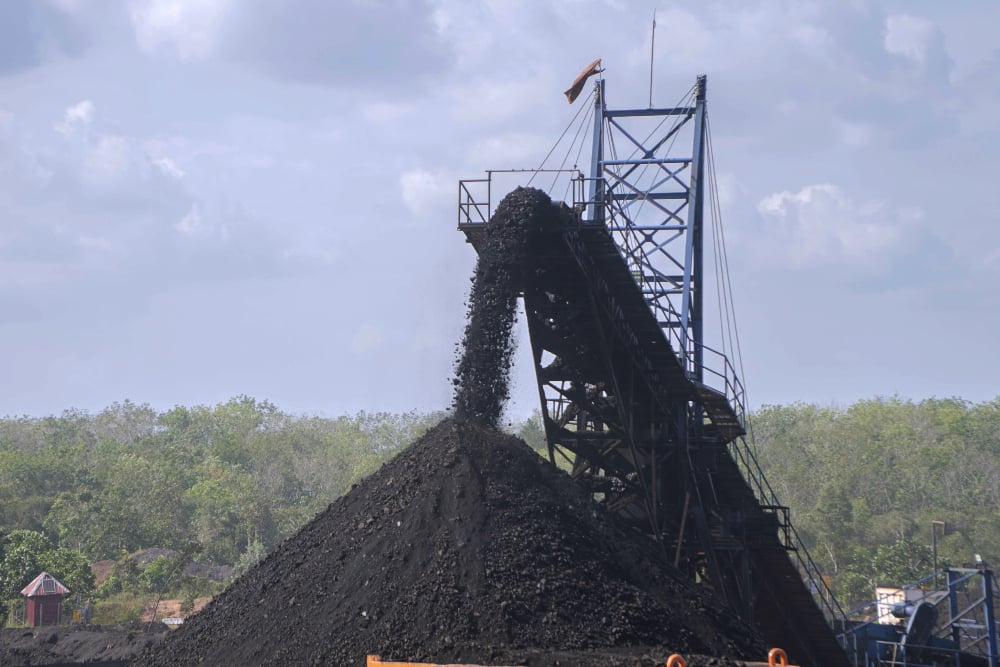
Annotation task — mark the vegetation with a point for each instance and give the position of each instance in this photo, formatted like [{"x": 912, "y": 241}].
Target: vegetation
[
  {"x": 866, "y": 482},
  {"x": 225, "y": 484},
  {"x": 235, "y": 479}
]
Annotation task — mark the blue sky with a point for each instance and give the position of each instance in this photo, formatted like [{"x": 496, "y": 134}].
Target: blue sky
[{"x": 204, "y": 199}]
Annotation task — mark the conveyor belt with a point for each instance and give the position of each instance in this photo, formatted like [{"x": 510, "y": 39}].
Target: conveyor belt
[{"x": 623, "y": 403}]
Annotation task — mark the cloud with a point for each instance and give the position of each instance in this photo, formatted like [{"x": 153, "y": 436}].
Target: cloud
[
  {"x": 910, "y": 37},
  {"x": 109, "y": 161},
  {"x": 854, "y": 134},
  {"x": 424, "y": 192},
  {"x": 820, "y": 224},
  {"x": 89, "y": 211},
  {"x": 369, "y": 337},
  {"x": 512, "y": 149},
  {"x": 187, "y": 29},
  {"x": 35, "y": 32},
  {"x": 76, "y": 118},
  {"x": 192, "y": 222},
  {"x": 169, "y": 168},
  {"x": 355, "y": 43}
]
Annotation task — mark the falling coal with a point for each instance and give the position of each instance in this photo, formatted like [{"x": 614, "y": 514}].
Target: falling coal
[{"x": 482, "y": 371}]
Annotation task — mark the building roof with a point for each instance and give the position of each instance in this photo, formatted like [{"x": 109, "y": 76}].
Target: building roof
[{"x": 44, "y": 584}]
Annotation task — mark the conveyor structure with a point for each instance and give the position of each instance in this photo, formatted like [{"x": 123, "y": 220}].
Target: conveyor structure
[{"x": 633, "y": 398}]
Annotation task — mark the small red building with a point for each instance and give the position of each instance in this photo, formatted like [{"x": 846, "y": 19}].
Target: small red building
[{"x": 45, "y": 595}]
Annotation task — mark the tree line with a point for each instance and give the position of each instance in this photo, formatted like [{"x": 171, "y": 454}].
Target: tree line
[
  {"x": 235, "y": 479},
  {"x": 864, "y": 483},
  {"x": 874, "y": 485}
]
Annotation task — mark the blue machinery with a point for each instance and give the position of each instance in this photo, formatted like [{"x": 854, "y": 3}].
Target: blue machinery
[
  {"x": 632, "y": 397},
  {"x": 954, "y": 626}
]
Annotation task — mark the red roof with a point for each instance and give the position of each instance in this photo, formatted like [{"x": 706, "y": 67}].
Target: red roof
[{"x": 44, "y": 584}]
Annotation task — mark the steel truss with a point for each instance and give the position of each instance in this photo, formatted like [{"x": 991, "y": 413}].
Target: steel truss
[{"x": 632, "y": 399}]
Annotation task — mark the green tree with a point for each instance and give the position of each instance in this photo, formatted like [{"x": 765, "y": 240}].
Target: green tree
[{"x": 27, "y": 553}]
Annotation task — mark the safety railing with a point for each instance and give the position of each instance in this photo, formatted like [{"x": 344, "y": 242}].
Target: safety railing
[
  {"x": 894, "y": 654},
  {"x": 809, "y": 571},
  {"x": 475, "y": 195},
  {"x": 473, "y": 202},
  {"x": 722, "y": 377}
]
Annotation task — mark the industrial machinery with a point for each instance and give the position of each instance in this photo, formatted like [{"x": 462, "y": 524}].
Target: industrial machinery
[
  {"x": 923, "y": 624},
  {"x": 632, "y": 396},
  {"x": 653, "y": 418}
]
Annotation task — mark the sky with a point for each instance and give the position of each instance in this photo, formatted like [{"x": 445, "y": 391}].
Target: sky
[{"x": 212, "y": 198}]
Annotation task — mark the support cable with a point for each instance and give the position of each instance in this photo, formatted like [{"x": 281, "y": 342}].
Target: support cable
[
  {"x": 725, "y": 256},
  {"x": 749, "y": 443},
  {"x": 561, "y": 136},
  {"x": 576, "y": 162},
  {"x": 579, "y": 130}
]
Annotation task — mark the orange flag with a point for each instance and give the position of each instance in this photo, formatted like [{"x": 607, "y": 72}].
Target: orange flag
[{"x": 574, "y": 90}]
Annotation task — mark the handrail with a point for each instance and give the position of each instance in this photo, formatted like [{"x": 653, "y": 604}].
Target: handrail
[
  {"x": 807, "y": 567},
  {"x": 471, "y": 211},
  {"x": 476, "y": 209}
]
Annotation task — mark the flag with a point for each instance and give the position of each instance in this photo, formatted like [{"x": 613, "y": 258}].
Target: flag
[{"x": 574, "y": 90}]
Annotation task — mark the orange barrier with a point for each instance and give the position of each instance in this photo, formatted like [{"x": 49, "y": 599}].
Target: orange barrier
[
  {"x": 376, "y": 661},
  {"x": 776, "y": 657}
]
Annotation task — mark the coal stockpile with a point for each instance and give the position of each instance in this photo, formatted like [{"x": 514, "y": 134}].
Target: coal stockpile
[
  {"x": 466, "y": 547},
  {"x": 482, "y": 369},
  {"x": 110, "y": 645}
]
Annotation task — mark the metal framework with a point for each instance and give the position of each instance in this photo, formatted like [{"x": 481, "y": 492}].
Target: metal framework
[{"x": 632, "y": 399}]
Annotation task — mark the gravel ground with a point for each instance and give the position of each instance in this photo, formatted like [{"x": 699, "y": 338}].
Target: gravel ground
[{"x": 77, "y": 643}]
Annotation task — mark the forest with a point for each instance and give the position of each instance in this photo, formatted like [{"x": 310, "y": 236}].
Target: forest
[{"x": 224, "y": 484}]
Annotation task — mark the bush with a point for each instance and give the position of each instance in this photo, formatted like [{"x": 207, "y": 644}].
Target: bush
[{"x": 119, "y": 608}]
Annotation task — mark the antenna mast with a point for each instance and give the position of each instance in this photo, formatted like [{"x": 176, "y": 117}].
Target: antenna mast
[{"x": 652, "y": 49}]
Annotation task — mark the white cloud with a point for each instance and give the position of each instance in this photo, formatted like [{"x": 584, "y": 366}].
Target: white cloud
[
  {"x": 683, "y": 35},
  {"x": 213, "y": 225},
  {"x": 107, "y": 162},
  {"x": 424, "y": 191},
  {"x": 727, "y": 187},
  {"x": 69, "y": 6},
  {"x": 95, "y": 243},
  {"x": 854, "y": 134},
  {"x": 513, "y": 149},
  {"x": 369, "y": 337},
  {"x": 821, "y": 224},
  {"x": 910, "y": 37},
  {"x": 76, "y": 118},
  {"x": 192, "y": 222},
  {"x": 187, "y": 28},
  {"x": 489, "y": 100},
  {"x": 169, "y": 168}
]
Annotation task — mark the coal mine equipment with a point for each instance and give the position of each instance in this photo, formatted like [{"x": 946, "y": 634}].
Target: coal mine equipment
[{"x": 632, "y": 397}]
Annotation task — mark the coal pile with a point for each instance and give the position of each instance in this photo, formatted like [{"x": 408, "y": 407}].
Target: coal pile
[
  {"x": 466, "y": 547},
  {"x": 78, "y": 644},
  {"x": 483, "y": 367}
]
